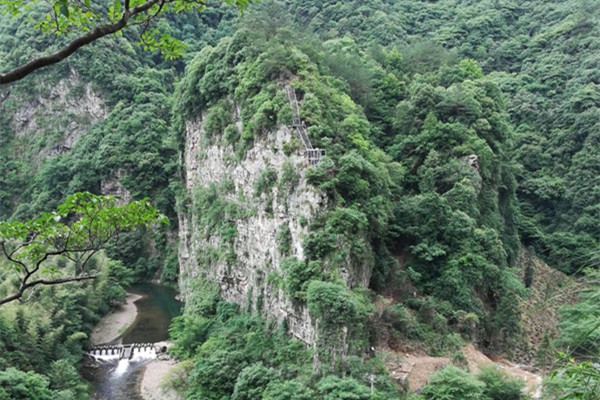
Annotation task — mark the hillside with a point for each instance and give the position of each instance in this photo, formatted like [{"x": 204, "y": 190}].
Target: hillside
[{"x": 448, "y": 137}]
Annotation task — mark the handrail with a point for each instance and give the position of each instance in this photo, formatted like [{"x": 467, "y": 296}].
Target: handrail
[{"x": 313, "y": 155}]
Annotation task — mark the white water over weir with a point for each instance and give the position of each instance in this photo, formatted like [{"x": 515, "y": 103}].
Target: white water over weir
[
  {"x": 125, "y": 353},
  {"x": 133, "y": 351}
]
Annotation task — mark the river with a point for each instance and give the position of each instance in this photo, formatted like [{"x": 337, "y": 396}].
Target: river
[{"x": 120, "y": 380}]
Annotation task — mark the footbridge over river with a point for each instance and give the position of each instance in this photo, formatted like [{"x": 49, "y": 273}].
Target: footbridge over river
[{"x": 124, "y": 351}]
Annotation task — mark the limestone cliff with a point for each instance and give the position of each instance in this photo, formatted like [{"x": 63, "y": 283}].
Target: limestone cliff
[
  {"x": 251, "y": 274},
  {"x": 42, "y": 121},
  {"x": 43, "y": 115}
]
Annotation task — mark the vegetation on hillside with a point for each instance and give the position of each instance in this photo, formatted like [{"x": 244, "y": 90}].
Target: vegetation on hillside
[
  {"x": 456, "y": 131},
  {"x": 42, "y": 341}
]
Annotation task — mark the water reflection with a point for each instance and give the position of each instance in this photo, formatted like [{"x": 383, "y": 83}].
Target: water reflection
[{"x": 155, "y": 311}]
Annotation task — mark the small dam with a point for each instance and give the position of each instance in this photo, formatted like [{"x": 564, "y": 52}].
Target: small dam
[{"x": 123, "y": 351}]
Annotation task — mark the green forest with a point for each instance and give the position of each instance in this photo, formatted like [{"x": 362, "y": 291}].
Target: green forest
[{"x": 461, "y": 153}]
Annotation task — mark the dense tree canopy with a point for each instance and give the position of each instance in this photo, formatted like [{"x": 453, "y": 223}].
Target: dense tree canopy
[{"x": 455, "y": 130}]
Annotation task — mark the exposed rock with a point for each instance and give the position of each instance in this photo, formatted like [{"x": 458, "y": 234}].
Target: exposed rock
[
  {"x": 472, "y": 161},
  {"x": 414, "y": 370},
  {"x": 256, "y": 247},
  {"x": 113, "y": 187},
  {"x": 71, "y": 106},
  {"x": 59, "y": 149}
]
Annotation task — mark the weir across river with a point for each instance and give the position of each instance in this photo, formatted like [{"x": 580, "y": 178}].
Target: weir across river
[{"x": 123, "y": 351}]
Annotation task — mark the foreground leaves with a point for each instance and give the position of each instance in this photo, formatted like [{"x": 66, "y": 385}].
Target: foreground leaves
[{"x": 77, "y": 230}]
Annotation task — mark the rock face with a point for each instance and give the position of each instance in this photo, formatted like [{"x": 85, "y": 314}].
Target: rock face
[
  {"x": 473, "y": 162},
  {"x": 45, "y": 115},
  {"x": 114, "y": 187},
  {"x": 253, "y": 279}
]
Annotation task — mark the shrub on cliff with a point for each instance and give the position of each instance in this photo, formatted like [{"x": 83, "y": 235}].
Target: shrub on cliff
[
  {"x": 499, "y": 385},
  {"x": 252, "y": 382},
  {"x": 452, "y": 383}
]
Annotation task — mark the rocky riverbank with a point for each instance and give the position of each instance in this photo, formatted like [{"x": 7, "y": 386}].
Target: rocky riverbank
[{"x": 154, "y": 374}]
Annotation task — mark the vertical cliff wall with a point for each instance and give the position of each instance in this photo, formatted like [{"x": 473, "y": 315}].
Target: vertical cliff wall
[
  {"x": 278, "y": 236},
  {"x": 245, "y": 258}
]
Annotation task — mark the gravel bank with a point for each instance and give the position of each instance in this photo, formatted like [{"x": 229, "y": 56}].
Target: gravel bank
[{"x": 115, "y": 323}]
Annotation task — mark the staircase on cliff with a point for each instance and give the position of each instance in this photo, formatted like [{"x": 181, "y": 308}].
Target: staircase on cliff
[{"x": 313, "y": 155}]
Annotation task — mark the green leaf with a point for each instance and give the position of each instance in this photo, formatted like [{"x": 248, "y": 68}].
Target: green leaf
[
  {"x": 64, "y": 9},
  {"x": 118, "y": 6}
]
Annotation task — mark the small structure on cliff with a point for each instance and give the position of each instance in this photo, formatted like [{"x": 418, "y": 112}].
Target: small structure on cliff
[{"x": 313, "y": 155}]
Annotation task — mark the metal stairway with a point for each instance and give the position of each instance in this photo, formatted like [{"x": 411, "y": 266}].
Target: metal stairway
[{"x": 313, "y": 155}]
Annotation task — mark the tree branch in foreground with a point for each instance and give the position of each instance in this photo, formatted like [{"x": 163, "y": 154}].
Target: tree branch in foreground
[
  {"x": 100, "y": 32},
  {"x": 29, "y": 285},
  {"x": 76, "y": 231},
  {"x": 143, "y": 14}
]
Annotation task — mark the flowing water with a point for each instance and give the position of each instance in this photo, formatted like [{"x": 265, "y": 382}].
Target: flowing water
[{"x": 115, "y": 379}]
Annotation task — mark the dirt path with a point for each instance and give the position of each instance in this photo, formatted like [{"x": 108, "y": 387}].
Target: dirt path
[{"x": 115, "y": 323}]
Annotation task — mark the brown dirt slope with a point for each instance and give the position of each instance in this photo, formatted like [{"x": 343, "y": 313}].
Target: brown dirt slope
[
  {"x": 549, "y": 291},
  {"x": 413, "y": 371}
]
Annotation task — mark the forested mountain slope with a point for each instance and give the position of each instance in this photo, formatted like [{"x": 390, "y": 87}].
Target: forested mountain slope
[
  {"x": 543, "y": 57},
  {"x": 456, "y": 132}
]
